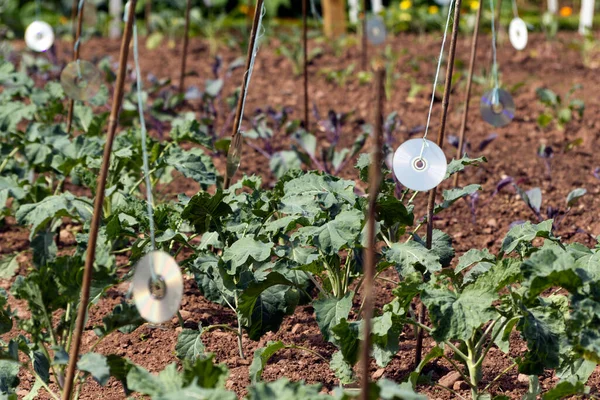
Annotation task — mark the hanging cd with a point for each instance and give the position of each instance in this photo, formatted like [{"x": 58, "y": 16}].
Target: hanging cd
[
  {"x": 517, "y": 33},
  {"x": 376, "y": 31},
  {"x": 158, "y": 301},
  {"x": 80, "y": 80},
  {"x": 497, "y": 107},
  {"x": 39, "y": 36},
  {"x": 416, "y": 171}
]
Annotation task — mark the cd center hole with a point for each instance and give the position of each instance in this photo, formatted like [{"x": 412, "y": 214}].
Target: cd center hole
[
  {"x": 158, "y": 288},
  {"x": 497, "y": 108},
  {"x": 419, "y": 164},
  {"x": 39, "y": 36}
]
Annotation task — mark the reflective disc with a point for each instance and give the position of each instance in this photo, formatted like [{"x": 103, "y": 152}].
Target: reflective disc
[
  {"x": 517, "y": 33},
  {"x": 497, "y": 107},
  {"x": 157, "y": 302},
  {"x": 376, "y": 31},
  {"x": 80, "y": 82},
  {"x": 39, "y": 36},
  {"x": 416, "y": 172}
]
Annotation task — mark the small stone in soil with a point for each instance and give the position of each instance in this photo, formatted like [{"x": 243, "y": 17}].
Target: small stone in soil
[
  {"x": 449, "y": 379},
  {"x": 460, "y": 385},
  {"x": 378, "y": 374},
  {"x": 522, "y": 378}
]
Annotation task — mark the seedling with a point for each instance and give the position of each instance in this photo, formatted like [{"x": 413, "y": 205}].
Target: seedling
[{"x": 559, "y": 110}]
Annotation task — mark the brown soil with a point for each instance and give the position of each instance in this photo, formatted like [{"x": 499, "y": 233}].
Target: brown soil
[{"x": 555, "y": 65}]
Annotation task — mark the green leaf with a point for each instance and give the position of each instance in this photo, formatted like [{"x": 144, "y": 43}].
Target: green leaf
[
  {"x": 391, "y": 210},
  {"x": 193, "y": 164},
  {"x": 244, "y": 251},
  {"x": 96, "y": 365},
  {"x": 565, "y": 389},
  {"x": 124, "y": 317},
  {"x": 283, "y": 161},
  {"x": 64, "y": 205},
  {"x": 547, "y": 96},
  {"x": 261, "y": 358},
  {"x": 451, "y": 196},
  {"x": 524, "y": 234},
  {"x": 204, "y": 210},
  {"x": 9, "y": 266},
  {"x": 545, "y": 269},
  {"x": 284, "y": 389},
  {"x": 263, "y": 304},
  {"x": 473, "y": 256},
  {"x": 342, "y": 370},
  {"x": 342, "y": 232},
  {"x": 410, "y": 255},
  {"x": 197, "y": 393},
  {"x": 346, "y": 335},
  {"x": 41, "y": 365},
  {"x": 456, "y": 166},
  {"x": 574, "y": 196},
  {"x": 9, "y": 370},
  {"x": 189, "y": 344},
  {"x": 167, "y": 381},
  {"x": 544, "y": 120},
  {"x": 390, "y": 390},
  {"x": 441, "y": 246},
  {"x": 330, "y": 311},
  {"x": 205, "y": 373},
  {"x": 456, "y": 315}
]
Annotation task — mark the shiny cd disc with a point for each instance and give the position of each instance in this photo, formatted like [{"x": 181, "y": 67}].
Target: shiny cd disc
[
  {"x": 376, "y": 31},
  {"x": 497, "y": 107},
  {"x": 418, "y": 172},
  {"x": 517, "y": 33},
  {"x": 157, "y": 302},
  {"x": 39, "y": 36},
  {"x": 80, "y": 80}
]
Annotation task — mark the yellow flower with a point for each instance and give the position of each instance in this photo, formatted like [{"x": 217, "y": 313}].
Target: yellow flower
[
  {"x": 566, "y": 11},
  {"x": 244, "y": 9},
  {"x": 63, "y": 20},
  {"x": 433, "y": 9},
  {"x": 405, "y": 4},
  {"x": 474, "y": 5}
]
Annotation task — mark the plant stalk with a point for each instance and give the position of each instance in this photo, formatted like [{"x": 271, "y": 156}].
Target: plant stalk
[
  {"x": 98, "y": 203},
  {"x": 440, "y": 141},
  {"x": 76, "y": 37},
  {"x": 186, "y": 41},
  {"x": 463, "y": 126},
  {"x": 370, "y": 258}
]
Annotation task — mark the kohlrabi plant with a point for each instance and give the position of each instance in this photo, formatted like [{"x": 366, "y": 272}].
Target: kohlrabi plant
[{"x": 559, "y": 109}]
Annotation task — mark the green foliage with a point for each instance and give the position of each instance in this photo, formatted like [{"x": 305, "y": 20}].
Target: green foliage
[{"x": 559, "y": 109}]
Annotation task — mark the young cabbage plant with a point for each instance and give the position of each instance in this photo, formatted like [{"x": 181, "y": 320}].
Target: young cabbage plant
[{"x": 557, "y": 109}]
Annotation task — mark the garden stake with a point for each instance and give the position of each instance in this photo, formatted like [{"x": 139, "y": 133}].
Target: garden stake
[
  {"x": 235, "y": 148},
  {"x": 463, "y": 126},
  {"x": 185, "y": 46},
  {"x": 440, "y": 141},
  {"x": 148, "y": 11},
  {"x": 374, "y": 183},
  {"x": 365, "y": 44},
  {"x": 76, "y": 39},
  {"x": 98, "y": 202},
  {"x": 305, "y": 38}
]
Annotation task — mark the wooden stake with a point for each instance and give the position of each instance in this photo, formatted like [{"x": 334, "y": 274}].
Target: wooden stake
[
  {"x": 186, "y": 39},
  {"x": 463, "y": 126},
  {"x": 370, "y": 259},
  {"x": 235, "y": 148},
  {"x": 98, "y": 203},
  {"x": 76, "y": 52},
  {"x": 148, "y": 13},
  {"x": 305, "y": 38},
  {"x": 365, "y": 44},
  {"x": 440, "y": 141}
]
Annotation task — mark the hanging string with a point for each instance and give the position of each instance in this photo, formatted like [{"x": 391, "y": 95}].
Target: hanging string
[
  {"x": 146, "y": 167},
  {"x": 313, "y": 10},
  {"x": 38, "y": 10},
  {"x": 515, "y": 8},
  {"x": 78, "y": 41},
  {"x": 495, "y": 62},
  {"x": 437, "y": 75},
  {"x": 248, "y": 75}
]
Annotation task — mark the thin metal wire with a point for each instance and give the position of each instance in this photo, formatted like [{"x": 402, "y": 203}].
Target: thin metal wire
[
  {"x": 143, "y": 132},
  {"x": 248, "y": 75},
  {"x": 515, "y": 8},
  {"x": 437, "y": 75},
  {"x": 314, "y": 12}
]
